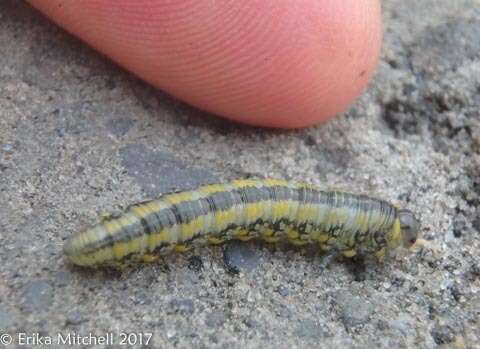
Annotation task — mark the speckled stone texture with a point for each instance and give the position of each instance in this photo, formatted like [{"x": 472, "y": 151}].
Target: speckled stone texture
[{"x": 79, "y": 136}]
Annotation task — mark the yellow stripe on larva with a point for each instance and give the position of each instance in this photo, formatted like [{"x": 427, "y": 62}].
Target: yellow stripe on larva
[
  {"x": 142, "y": 211},
  {"x": 242, "y": 183},
  {"x": 189, "y": 229},
  {"x": 178, "y": 197},
  {"x": 211, "y": 189},
  {"x": 280, "y": 209},
  {"x": 223, "y": 218},
  {"x": 158, "y": 238},
  {"x": 112, "y": 226},
  {"x": 254, "y": 212},
  {"x": 307, "y": 213}
]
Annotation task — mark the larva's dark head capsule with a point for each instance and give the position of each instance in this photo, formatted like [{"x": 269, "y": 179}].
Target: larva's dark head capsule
[{"x": 409, "y": 227}]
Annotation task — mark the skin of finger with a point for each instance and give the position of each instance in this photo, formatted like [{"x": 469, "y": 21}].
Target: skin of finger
[{"x": 276, "y": 63}]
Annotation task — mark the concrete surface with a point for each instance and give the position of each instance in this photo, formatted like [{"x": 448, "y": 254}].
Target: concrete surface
[{"x": 79, "y": 136}]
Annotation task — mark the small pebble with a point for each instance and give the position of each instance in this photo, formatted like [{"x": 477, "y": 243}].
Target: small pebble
[
  {"x": 38, "y": 296},
  {"x": 459, "y": 225},
  {"x": 310, "y": 328},
  {"x": 7, "y": 148},
  {"x": 354, "y": 310},
  {"x": 195, "y": 263},
  {"x": 120, "y": 126},
  {"x": 74, "y": 318},
  {"x": 182, "y": 306},
  {"x": 215, "y": 319},
  {"x": 442, "y": 334}
]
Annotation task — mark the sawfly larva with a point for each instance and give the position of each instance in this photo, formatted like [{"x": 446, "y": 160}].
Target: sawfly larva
[{"x": 267, "y": 209}]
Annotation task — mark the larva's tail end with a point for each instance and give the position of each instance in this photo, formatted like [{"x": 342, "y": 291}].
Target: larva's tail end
[
  {"x": 69, "y": 250},
  {"x": 73, "y": 253}
]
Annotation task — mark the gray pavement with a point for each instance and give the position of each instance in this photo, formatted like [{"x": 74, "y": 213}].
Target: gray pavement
[{"x": 79, "y": 136}]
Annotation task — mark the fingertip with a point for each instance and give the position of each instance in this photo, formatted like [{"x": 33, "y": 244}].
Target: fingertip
[{"x": 270, "y": 63}]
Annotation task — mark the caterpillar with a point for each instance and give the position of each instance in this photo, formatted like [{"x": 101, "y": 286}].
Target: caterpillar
[{"x": 267, "y": 209}]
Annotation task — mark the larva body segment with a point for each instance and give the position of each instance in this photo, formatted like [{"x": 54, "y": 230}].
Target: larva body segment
[{"x": 243, "y": 209}]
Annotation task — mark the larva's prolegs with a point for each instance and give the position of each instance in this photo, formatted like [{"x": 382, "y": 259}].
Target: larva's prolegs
[{"x": 268, "y": 209}]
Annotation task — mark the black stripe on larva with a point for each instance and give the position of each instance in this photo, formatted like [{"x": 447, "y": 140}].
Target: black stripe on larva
[
  {"x": 327, "y": 199},
  {"x": 339, "y": 200},
  {"x": 271, "y": 194},
  {"x": 157, "y": 222},
  {"x": 146, "y": 226},
  {"x": 243, "y": 195},
  {"x": 279, "y": 193},
  {"x": 178, "y": 213},
  {"x": 166, "y": 217},
  {"x": 294, "y": 195},
  {"x": 302, "y": 195},
  {"x": 253, "y": 195},
  {"x": 108, "y": 240},
  {"x": 211, "y": 204},
  {"x": 368, "y": 205},
  {"x": 223, "y": 200},
  {"x": 189, "y": 210},
  {"x": 362, "y": 205},
  {"x": 285, "y": 193},
  {"x": 313, "y": 197}
]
